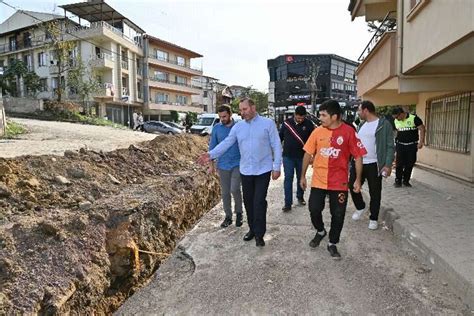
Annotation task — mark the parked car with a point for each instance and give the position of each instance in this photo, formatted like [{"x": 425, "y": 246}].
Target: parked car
[
  {"x": 160, "y": 127},
  {"x": 206, "y": 123},
  {"x": 173, "y": 124}
]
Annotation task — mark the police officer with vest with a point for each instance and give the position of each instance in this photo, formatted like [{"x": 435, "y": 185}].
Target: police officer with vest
[{"x": 410, "y": 137}]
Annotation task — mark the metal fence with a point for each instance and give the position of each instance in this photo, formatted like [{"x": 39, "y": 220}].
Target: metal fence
[{"x": 449, "y": 123}]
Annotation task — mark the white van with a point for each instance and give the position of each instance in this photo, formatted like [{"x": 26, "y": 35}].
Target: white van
[{"x": 206, "y": 123}]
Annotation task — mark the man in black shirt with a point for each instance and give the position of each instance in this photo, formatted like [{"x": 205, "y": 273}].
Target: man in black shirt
[
  {"x": 410, "y": 137},
  {"x": 294, "y": 133}
]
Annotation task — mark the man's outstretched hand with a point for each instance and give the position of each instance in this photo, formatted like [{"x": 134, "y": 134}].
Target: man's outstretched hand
[{"x": 204, "y": 159}]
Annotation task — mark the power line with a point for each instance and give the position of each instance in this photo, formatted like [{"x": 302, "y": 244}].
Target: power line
[{"x": 78, "y": 37}]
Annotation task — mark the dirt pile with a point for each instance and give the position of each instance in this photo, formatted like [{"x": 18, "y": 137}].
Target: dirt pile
[{"x": 80, "y": 233}]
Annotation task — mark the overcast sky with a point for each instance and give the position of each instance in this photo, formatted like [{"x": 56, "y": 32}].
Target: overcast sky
[{"x": 236, "y": 37}]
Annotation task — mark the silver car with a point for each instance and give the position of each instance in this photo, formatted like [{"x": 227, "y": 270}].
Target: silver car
[{"x": 160, "y": 127}]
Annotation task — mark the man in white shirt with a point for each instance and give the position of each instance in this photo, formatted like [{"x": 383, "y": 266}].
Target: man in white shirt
[{"x": 376, "y": 134}]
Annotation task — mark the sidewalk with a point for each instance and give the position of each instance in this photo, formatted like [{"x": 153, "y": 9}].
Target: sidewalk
[
  {"x": 214, "y": 272},
  {"x": 435, "y": 218}
]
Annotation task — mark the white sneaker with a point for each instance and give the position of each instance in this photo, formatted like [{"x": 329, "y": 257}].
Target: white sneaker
[
  {"x": 357, "y": 214},
  {"x": 373, "y": 225}
]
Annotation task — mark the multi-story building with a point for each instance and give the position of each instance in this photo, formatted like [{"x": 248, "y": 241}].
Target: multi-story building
[
  {"x": 423, "y": 54},
  {"x": 23, "y": 36},
  {"x": 106, "y": 42},
  {"x": 137, "y": 72},
  {"x": 168, "y": 79},
  {"x": 309, "y": 80},
  {"x": 207, "y": 99}
]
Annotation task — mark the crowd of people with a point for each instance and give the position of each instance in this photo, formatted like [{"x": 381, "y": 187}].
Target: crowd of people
[{"x": 250, "y": 152}]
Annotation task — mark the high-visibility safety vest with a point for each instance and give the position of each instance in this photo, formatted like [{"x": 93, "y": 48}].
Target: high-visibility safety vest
[{"x": 406, "y": 125}]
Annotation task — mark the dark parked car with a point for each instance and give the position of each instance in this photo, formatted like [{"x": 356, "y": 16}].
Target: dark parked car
[{"x": 160, "y": 127}]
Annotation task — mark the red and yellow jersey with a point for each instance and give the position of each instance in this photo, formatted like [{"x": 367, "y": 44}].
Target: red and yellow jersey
[{"x": 332, "y": 149}]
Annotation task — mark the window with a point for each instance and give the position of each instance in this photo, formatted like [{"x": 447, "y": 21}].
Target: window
[
  {"x": 204, "y": 94},
  {"x": 28, "y": 62},
  {"x": 27, "y": 39},
  {"x": 161, "y": 76},
  {"x": 181, "y": 80},
  {"x": 12, "y": 43},
  {"x": 161, "y": 98},
  {"x": 181, "y": 99},
  {"x": 161, "y": 55},
  {"x": 41, "y": 59},
  {"x": 350, "y": 72},
  {"x": 181, "y": 61},
  {"x": 448, "y": 124},
  {"x": 139, "y": 89},
  {"x": 43, "y": 84}
]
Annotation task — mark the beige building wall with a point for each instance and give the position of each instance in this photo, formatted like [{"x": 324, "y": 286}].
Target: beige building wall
[
  {"x": 457, "y": 164},
  {"x": 434, "y": 22}
]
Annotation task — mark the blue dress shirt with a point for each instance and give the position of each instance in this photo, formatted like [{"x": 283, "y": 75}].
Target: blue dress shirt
[{"x": 259, "y": 145}]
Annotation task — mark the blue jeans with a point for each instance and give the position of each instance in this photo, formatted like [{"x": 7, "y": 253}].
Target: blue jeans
[{"x": 290, "y": 165}]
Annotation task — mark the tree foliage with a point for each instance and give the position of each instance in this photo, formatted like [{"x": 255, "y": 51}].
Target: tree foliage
[
  {"x": 82, "y": 81},
  {"x": 12, "y": 75},
  {"x": 62, "y": 52}
]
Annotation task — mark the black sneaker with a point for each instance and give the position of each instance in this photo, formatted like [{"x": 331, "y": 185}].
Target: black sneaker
[
  {"x": 238, "y": 220},
  {"x": 227, "y": 221},
  {"x": 407, "y": 184},
  {"x": 334, "y": 253},
  {"x": 286, "y": 208},
  {"x": 397, "y": 184},
  {"x": 259, "y": 242},
  {"x": 301, "y": 201},
  {"x": 317, "y": 240}
]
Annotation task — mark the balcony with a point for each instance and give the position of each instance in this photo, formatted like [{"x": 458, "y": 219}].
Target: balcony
[
  {"x": 103, "y": 29},
  {"x": 23, "y": 45},
  {"x": 105, "y": 92},
  {"x": 155, "y": 82},
  {"x": 103, "y": 60},
  {"x": 174, "y": 65},
  {"x": 379, "y": 66}
]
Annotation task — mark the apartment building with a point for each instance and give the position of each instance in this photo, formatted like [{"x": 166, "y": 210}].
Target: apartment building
[
  {"x": 423, "y": 54},
  {"x": 106, "y": 41},
  {"x": 23, "y": 37},
  {"x": 207, "y": 99},
  {"x": 168, "y": 84}
]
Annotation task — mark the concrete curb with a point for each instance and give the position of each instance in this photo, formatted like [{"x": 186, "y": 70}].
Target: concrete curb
[{"x": 419, "y": 243}]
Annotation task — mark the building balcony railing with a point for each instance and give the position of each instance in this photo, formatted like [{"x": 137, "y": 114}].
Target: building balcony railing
[
  {"x": 20, "y": 45},
  {"x": 175, "y": 63},
  {"x": 173, "y": 82},
  {"x": 389, "y": 23},
  {"x": 102, "y": 60},
  {"x": 125, "y": 64},
  {"x": 102, "y": 25}
]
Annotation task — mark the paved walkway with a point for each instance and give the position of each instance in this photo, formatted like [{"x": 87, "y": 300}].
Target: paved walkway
[
  {"x": 214, "y": 272},
  {"x": 436, "y": 219}
]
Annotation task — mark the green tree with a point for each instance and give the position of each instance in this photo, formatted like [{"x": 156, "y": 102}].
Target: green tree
[
  {"x": 12, "y": 75},
  {"x": 83, "y": 81},
  {"x": 174, "y": 116},
  {"x": 63, "y": 55}
]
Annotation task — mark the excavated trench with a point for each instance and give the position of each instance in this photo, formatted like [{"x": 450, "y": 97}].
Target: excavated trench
[{"x": 81, "y": 233}]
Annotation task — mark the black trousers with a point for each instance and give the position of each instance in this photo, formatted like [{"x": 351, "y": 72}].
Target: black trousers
[
  {"x": 254, "y": 191},
  {"x": 406, "y": 158},
  {"x": 337, "y": 207},
  {"x": 370, "y": 173}
]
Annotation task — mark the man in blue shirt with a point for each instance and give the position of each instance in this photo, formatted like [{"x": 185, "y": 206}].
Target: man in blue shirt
[
  {"x": 260, "y": 159},
  {"x": 228, "y": 167}
]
